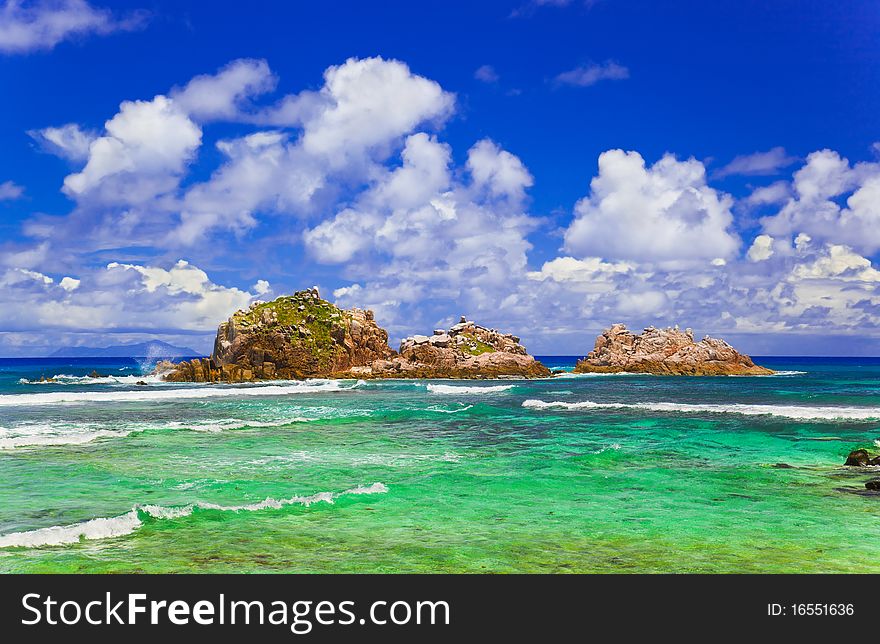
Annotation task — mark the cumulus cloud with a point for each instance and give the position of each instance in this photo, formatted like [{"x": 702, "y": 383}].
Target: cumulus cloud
[
  {"x": 819, "y": 188},
  {"x": 758, "y": 163},
  {"x": 592, "y": 73},
  {"x": 42, "y": 24},
  {"x": 10, "y": 190},
  {"x": 146, "y": 147},
  {"x": 665, "y": 212},
  {"x": 761, "y": 249}
]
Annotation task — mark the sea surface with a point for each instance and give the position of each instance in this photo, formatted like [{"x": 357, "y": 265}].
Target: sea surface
[{"x": 592, "y": 473}]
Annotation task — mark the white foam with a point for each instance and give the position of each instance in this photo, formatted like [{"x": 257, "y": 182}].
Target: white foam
[
  {"x": 55, "y": 434},
  {"x": 65, "y": 379},
  {"x": 60, "y": 535},
  {"x": 107, "y": 528},
  {"x": 795, "y": 412},
  {"x": 176, "y": 393},
  {"x": 458, "y": 389},
  {"x": 449, "y": 411}
]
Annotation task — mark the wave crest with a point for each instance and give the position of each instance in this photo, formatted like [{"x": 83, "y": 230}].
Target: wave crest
[
  {"x": 459, "y": 389},
  {"x": 794, "y": 412},
  {"x": 110, "y": 527}
]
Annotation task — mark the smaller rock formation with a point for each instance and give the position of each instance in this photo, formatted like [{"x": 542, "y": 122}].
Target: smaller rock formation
[
  {"x": 665, "y": 352},
  {"x": 861, "y": 458},
  {"x": 466, "y": 350},
  {"x": 873, "y": 484}
]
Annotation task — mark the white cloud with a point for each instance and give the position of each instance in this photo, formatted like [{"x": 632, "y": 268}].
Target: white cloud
[
  {"x": 223, "y": 95},
  {"x": 775, "y": 193},
  {"x": 761, "y": 249},
  {"x": 592, "y": 73},
  {"x": 486, "y": 74},
  {"x": 10, "y": 190},
  {"x": 502, "y": 173},
  {"x": 42, "y": 24},
  {"x": 67, "y": 141},
  {"x": 347, "y": 127},
  {"x": 665, "y": 212},
  {"x": 119, "y": 296},
  {"x": 147, "y": 146},
  {"x": 261, "y": 287},
  {"x": 69, "y": 283},
  {"x": 758, "y": 163},
  {"x": 819, "y": 187}
]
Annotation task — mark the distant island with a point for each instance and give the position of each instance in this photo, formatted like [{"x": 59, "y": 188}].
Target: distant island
[{"x": 151, "y": 349}]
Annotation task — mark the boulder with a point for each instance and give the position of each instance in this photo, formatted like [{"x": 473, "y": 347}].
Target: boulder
[
  {"x": 665, "y": 352},
  {"x": 873, "y": 484},
  {"x": 858, "y": 458}
]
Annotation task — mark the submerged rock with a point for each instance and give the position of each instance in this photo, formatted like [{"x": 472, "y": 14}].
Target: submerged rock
[
  {"x": 665, "y": 352},
  {"x": 296, "y": 336},
  {"x": 873, "y": 484},
  {"x": 466, "y": 350}
]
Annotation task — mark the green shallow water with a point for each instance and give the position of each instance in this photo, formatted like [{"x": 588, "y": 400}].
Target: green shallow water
[{"x": 476, "y": 482}]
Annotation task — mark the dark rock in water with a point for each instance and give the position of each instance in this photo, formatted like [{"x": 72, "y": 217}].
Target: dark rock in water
[
  {"x": 873, "y": 484},
  {"x": 858, "y": 458},
  {"x": 556, "y": 372},
  {"x": 140, "y": 382},
  {"x": 783, "y": 466},
  {"x": 95, "y": 374},
  {"x": 874, "y": 461}
]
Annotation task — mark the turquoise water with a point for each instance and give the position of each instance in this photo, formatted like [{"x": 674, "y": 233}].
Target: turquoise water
[{"x": 572, "y": 474}]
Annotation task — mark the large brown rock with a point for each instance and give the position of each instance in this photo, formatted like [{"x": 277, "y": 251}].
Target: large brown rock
[
  {"x": 296, "y": 336},
  {"x": 467, "y": 350},
  {"x": 665, "y": 352}
]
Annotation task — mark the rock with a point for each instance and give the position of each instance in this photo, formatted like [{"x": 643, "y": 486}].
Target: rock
[
  {"x": 858, "y": 458},
  {"x": 665, "y": 352},
  {"x": 95, "y": 374},
  {"x": 873, "y": 484},
  {"x": 295, "y": 336},
  {"x": 466, "y": 350},
  {"x": 783, "y": 466},
  {"x": 141, "y": 383}
]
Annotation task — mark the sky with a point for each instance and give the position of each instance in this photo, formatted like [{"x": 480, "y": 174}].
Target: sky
[{"x": 545, "y": 167}]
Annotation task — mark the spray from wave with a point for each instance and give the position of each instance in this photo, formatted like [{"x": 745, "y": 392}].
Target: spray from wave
[
  {"x": 794, "y": 412},
  {"x": 107, "y": 528}
]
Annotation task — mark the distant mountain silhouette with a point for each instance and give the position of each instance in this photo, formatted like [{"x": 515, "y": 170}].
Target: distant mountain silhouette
[{"x": 151, "y": 349}]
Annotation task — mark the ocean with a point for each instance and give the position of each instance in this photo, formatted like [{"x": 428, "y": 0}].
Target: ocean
[{"x": 590, "y": 473}]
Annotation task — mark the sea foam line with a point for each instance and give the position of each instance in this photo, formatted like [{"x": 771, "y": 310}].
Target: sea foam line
[
  {"x": 784, "y": 411},
  {"x": 124, "y": 524},
  {"x": 181, "y": 393},
  {"x": 458, "y": 389},
  {"x": 55, "y": 434}
]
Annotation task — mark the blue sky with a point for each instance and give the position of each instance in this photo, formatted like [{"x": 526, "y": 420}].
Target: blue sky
[{"x": 546, "y": 167}]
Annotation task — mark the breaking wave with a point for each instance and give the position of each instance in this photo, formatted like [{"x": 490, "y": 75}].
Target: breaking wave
[
  {"x": 177, "y": 393},
  {"x": 65, "y": 379},
  {"x": 458, "y": 389},
  {"x": 794, "y": 412},
  {"x": 107, "y": 528},
  {"x": 55, "y": 434}
]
